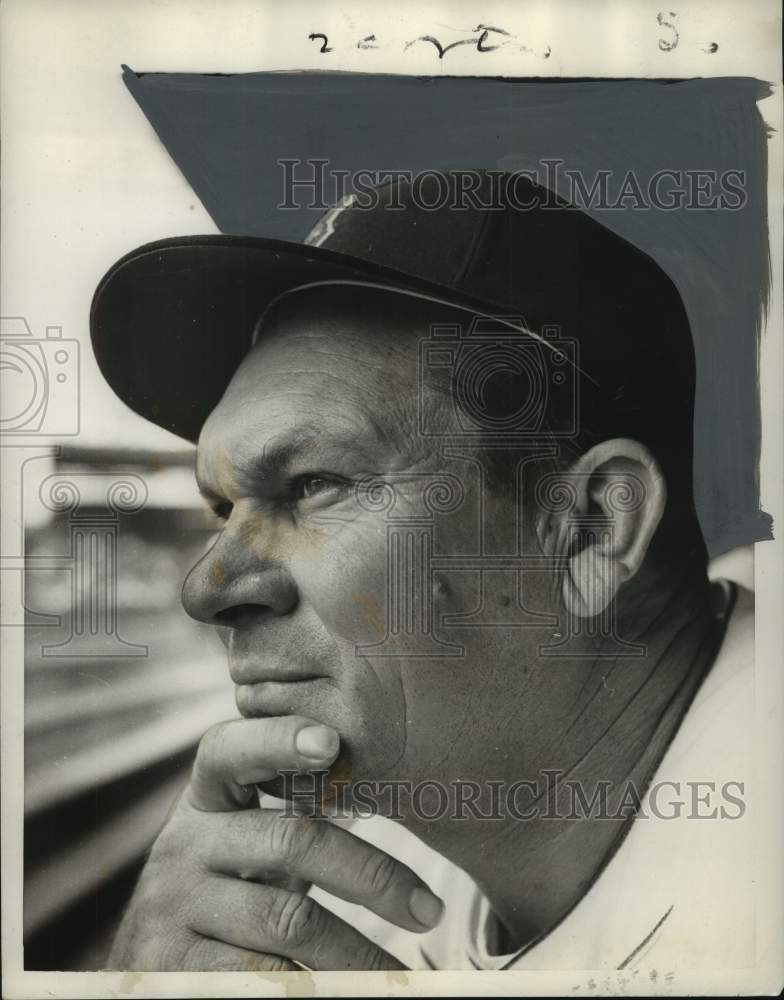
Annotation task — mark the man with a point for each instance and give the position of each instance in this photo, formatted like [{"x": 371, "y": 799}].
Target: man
[{"x": 459, "y": 560}]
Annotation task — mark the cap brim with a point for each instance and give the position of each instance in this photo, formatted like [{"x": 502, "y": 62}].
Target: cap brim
[{"x": 171, "y": 321}]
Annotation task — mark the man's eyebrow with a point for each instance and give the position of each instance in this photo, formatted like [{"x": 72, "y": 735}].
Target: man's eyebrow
[{"x": 277, "y": 456}]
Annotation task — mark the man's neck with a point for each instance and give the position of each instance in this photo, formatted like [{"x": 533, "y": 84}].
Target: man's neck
[{"x": 608, "y": 745}]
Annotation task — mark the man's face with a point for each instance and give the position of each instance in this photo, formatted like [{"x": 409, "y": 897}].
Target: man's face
[{"x": 312, "y": 567}]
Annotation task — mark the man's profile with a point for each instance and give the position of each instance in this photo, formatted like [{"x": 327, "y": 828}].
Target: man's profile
[{"x": 460, "y": 577}]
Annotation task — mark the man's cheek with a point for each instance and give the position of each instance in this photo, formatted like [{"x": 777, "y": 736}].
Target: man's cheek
[{"x": 346, "y": 584}]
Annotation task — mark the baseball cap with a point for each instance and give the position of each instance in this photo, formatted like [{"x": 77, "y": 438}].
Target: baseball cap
[{"x": 171, "y": 320}]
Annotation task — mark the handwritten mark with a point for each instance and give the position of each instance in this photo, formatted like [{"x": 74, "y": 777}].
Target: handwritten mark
[
  {"x": 441, "y": 49},
  {"x": 481, "y": 43},
  {"x": 711, "y": 48},
  {"x": 318, "y": 34},
  {"x": 486, "y": 29},
  {"x": 667, "y": 45},
  {"x": 645, "y": 940}
]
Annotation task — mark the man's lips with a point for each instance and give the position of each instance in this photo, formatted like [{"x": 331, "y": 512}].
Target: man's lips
[
  {"x": 255, "y": 672},
  {"x": 279, "y": 696}
]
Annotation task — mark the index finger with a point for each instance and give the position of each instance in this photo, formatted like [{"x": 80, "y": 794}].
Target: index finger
[
  {"x": 263, "y": 843},
  {"x": 233, "y": 756}
]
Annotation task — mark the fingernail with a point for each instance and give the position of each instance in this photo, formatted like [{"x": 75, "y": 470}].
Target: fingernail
[
  {"x": 317, "y": 742},
  {"x": 425, "y": 907}
]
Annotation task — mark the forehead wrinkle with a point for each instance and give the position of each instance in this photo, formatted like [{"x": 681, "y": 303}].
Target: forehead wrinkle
[
  {"x": 392, "y": 424},
  {"x": 277, "y": 419},
  {"x": 392, "y": 365},
  {"x": 351, "y": 400},
  {"x": 276, "y": 454},
  {"x": 246, "y": 455},
  {"x": 378, "y": 344},
  {"x": 293, "y": 370},
  {"x": 334, "y": 330},
  {"x": 265, "y": 385}
]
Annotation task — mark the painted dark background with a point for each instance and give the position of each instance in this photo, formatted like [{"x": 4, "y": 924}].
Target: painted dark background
[{"x": 227, "y": 134}]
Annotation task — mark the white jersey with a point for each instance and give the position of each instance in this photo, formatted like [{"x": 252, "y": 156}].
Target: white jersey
[{"x": 677, "y": 895}]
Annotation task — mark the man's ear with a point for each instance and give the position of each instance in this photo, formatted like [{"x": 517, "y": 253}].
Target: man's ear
[{"x": 618, "y": 496}]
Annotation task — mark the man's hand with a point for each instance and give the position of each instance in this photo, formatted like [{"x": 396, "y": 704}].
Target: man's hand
[{"x": 210, "y": 896}]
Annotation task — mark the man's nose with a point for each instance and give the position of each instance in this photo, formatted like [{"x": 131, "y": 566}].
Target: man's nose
[{"x": 234, "y": 584}]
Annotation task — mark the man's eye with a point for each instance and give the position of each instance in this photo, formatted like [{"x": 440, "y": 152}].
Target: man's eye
[
  {"x": 313, "y": 487},
  {"x": 222, "y": 510}
]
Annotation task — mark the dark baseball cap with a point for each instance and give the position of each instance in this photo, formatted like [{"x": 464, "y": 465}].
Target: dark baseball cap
[{"x": 172, "y": 320}]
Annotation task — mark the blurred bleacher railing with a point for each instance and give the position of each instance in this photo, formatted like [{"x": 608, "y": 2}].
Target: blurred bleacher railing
[{"x": 119, "y": 685}]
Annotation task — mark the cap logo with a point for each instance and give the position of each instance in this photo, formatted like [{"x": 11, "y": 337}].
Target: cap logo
[{"x": 325, "y": 227}]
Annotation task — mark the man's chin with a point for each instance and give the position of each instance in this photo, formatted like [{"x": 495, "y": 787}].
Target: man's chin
[{"x": 314, "y": 793}]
